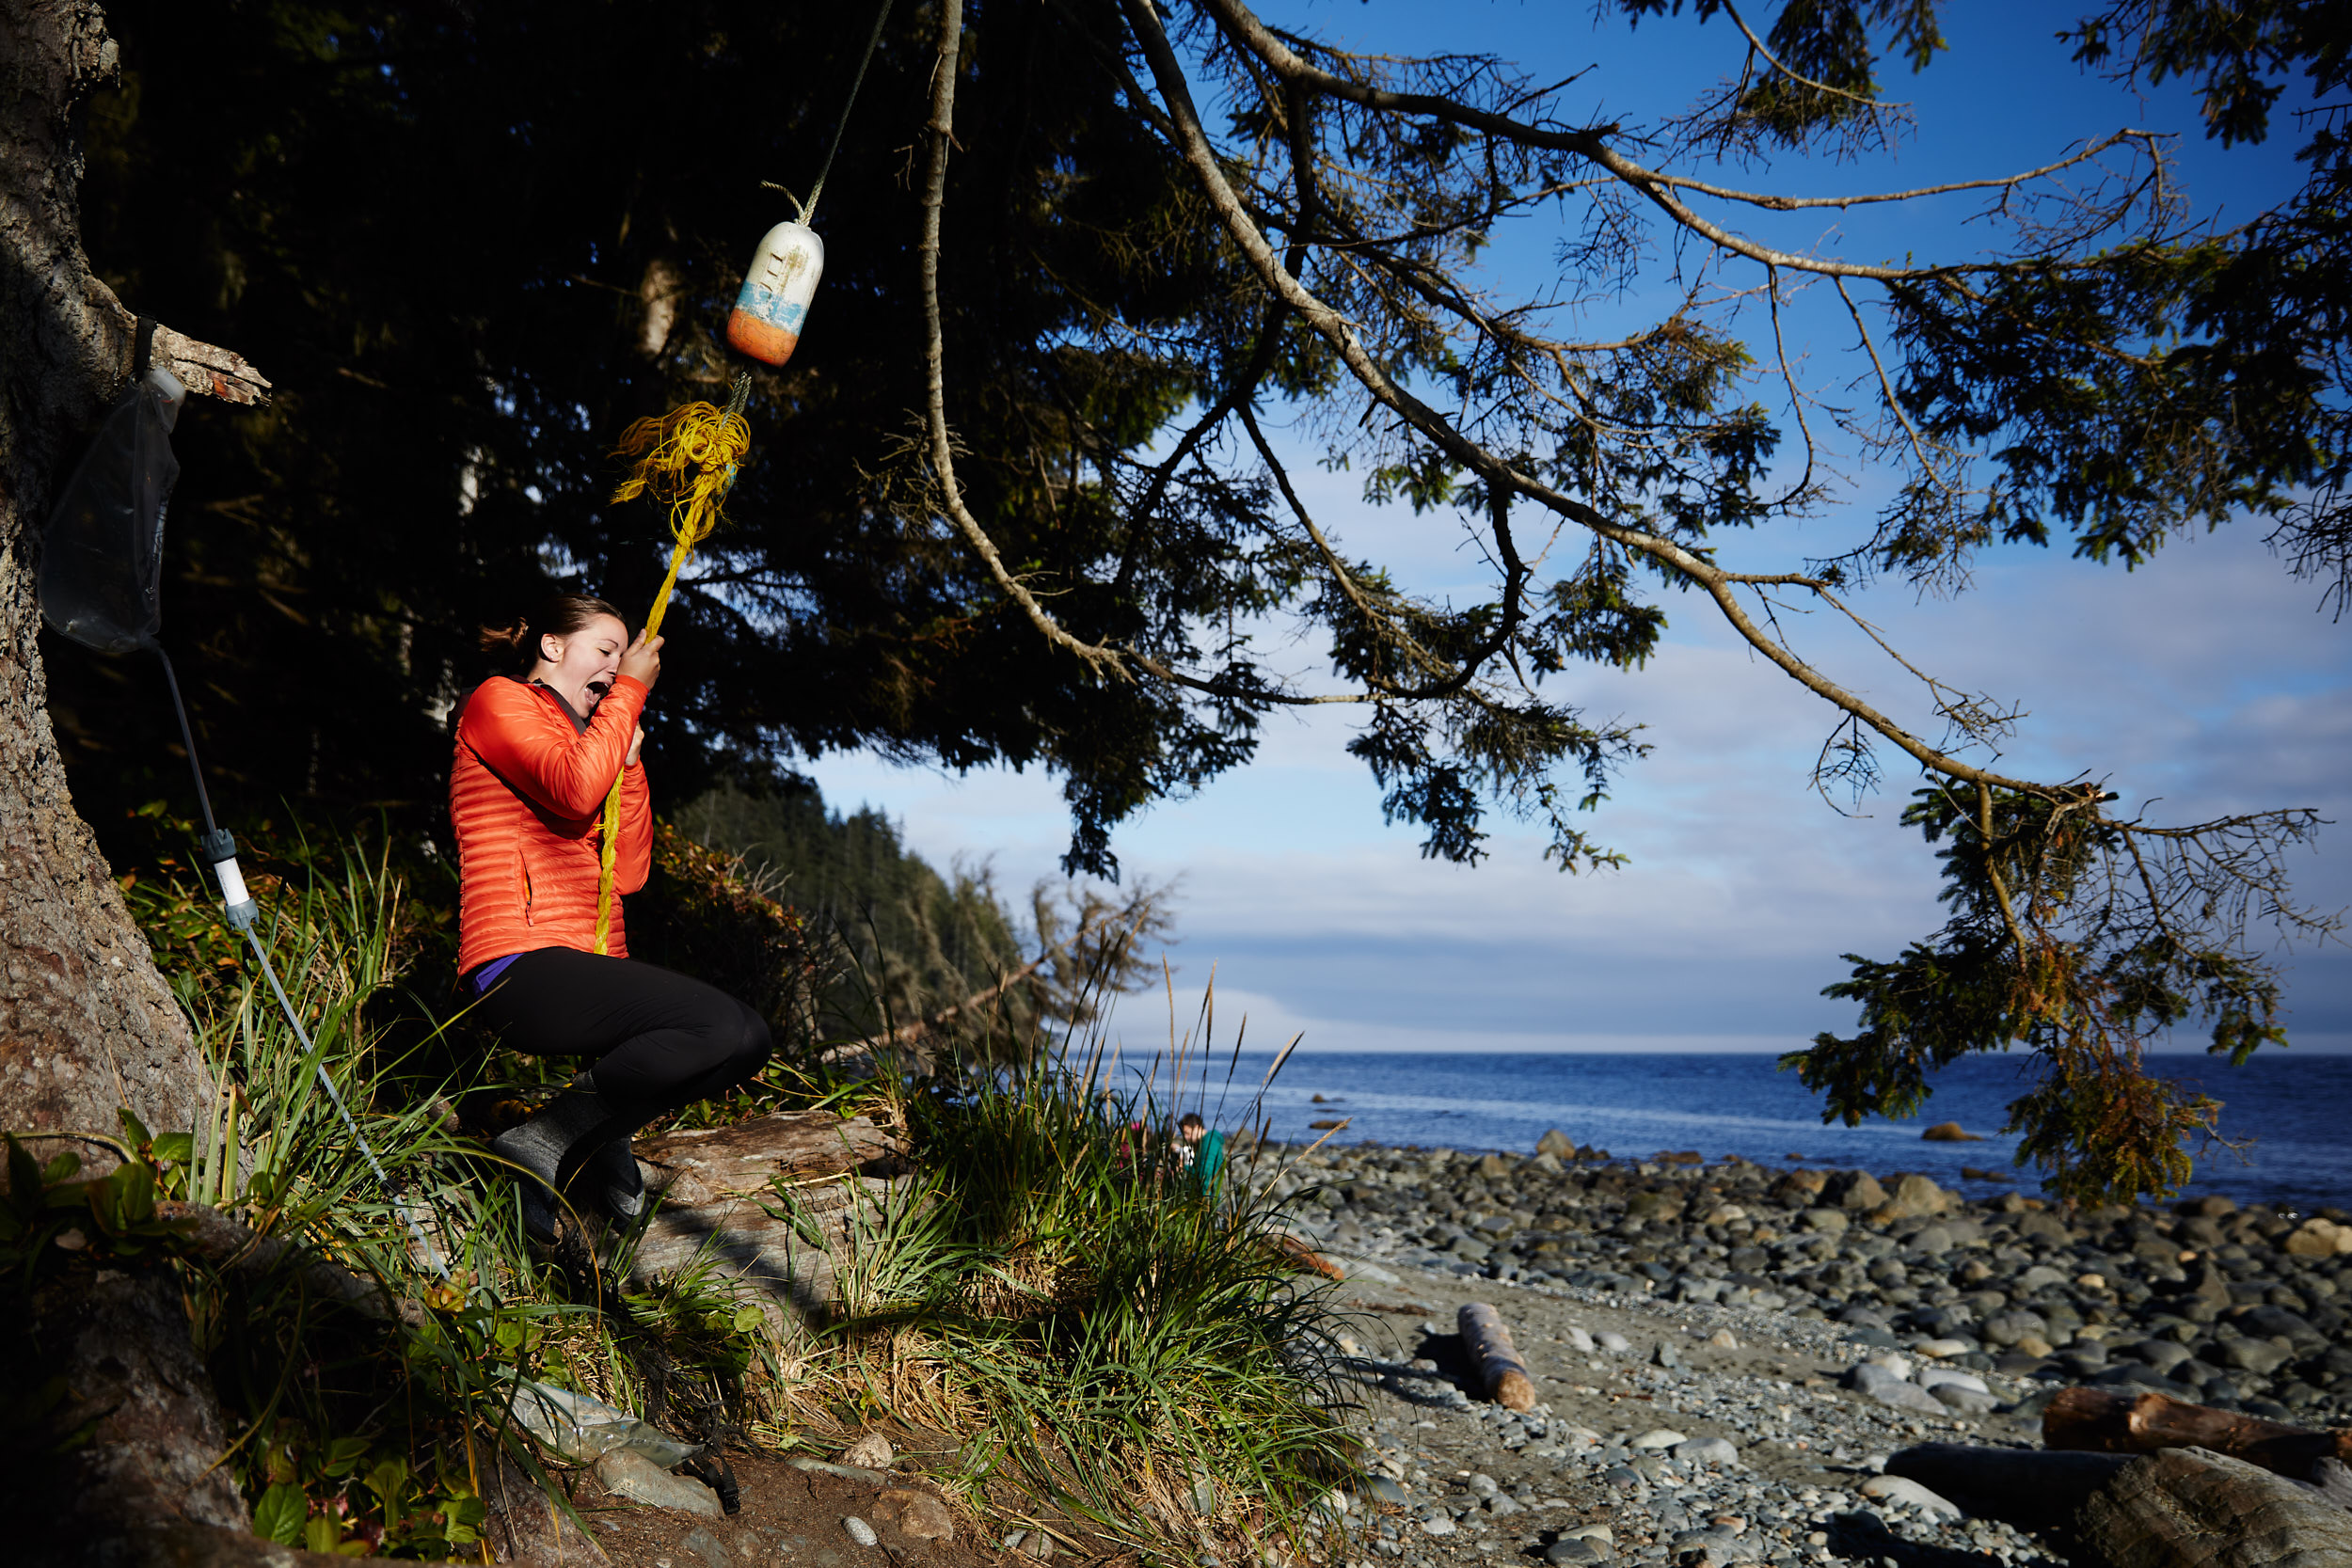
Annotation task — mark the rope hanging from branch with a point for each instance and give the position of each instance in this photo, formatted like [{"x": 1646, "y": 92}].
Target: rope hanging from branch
[{"x": 688, "y": 459}]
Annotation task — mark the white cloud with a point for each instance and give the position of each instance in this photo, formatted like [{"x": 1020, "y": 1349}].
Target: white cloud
[{"x": 2203, "y": 679}]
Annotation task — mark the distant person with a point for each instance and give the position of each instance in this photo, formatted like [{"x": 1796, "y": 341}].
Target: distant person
[
  {"x": 536, "y": 754},
  {"x": 1200, "y": 1150}
]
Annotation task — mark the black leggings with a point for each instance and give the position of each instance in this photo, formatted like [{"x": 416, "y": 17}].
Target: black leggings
[{"x": 661, "y": 1040}]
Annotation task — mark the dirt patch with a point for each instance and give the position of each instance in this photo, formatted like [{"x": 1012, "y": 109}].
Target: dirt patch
[{"x": 796, "y": 1517}]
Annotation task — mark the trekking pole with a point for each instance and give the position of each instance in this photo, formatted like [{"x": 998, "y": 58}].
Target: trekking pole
[{"x": 219, "y": 849}]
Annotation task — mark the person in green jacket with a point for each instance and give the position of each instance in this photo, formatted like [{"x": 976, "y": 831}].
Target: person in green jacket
[{"x": 1200, "y": 1149}]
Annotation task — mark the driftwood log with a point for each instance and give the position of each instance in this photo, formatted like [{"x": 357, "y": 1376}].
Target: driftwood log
[
  {"x": 774, "y": 1203},
  {"x": 1302, "y": 1256},
  {"x": 2192, "y": 1507},
  {"x": 709, "y": 1166},
  {"x": 2030, "y": 1488},
  {"x": 2112, "y": 1421},
  {"x": 1488, "y": 1341}
]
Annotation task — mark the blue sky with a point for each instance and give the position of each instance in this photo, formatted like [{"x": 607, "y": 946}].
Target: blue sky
[{"x": 2208, "y": 680}]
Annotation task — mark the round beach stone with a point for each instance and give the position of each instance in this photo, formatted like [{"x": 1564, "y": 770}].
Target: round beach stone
[
  {"x": 1970, "y": 1401},
  {"x": 1934, "y": 1240},
  {"x": 1906, "y": 1493},
  {"x": 1706, "y": 1451},
  {"x": 1934, "y": 1377},
  {"x": 2259, "y": 1356},
  {"x": 871, "y": 1452}
]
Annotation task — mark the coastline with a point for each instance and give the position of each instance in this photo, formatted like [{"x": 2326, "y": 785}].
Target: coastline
[
  {"x": 2280, "y": 1109},
  {"x": 2013, "y": 1284},
  {"x": 1786, "y": 1330}
]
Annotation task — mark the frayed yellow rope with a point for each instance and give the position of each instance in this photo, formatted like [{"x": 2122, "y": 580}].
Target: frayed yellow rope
[{"x": 687, "y": 458}]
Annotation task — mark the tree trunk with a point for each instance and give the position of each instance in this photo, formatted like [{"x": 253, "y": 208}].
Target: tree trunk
[{"x": 86, "y": 1025}]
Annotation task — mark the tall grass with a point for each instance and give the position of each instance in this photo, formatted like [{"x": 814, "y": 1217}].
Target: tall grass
[
  {"x": 352, "y": 1431},
  {"x": 1086, "y": 1319},
  {"x": 1071, "y": 1320}
]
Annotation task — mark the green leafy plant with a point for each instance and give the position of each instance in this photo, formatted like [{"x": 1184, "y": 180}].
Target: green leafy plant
[
  {"x": 47, "y": 1214},
  {"x": 336, "y": 1499}
]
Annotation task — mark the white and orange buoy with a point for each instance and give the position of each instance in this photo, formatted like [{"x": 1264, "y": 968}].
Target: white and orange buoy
[{"x": 769, "y": 312}]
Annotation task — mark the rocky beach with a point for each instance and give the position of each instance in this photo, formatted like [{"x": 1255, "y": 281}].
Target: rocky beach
[{"x": 1725, "y": 1354}]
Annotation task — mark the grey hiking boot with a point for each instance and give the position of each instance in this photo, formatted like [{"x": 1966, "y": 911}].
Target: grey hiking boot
[
  {"x": 542, "y": 1146},
  {"x": 609, "y": 1176}
]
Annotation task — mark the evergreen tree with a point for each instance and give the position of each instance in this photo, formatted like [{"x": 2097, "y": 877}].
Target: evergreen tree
[{"x": 1013, "y": 501}]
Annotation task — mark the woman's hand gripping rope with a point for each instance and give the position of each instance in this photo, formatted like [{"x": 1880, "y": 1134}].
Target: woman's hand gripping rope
[{"x": 688, "y": 458}]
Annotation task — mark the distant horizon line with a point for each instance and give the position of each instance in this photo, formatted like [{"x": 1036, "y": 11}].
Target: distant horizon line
[{"x": 2321, "y": 1045}]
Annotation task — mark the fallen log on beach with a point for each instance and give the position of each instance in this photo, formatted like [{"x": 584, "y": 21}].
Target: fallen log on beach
[
  {"x": 2112, "y": 1421},
  {"x": 1303, "y": 1257},
  {"x": 1488, "y": 1341},
  {"x": 2030, "y": 1488},
  {"x": 2192, "y": 1507}
]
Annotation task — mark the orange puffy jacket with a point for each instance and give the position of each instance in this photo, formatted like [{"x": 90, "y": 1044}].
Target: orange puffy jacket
[{"x": 526, "y": 792}]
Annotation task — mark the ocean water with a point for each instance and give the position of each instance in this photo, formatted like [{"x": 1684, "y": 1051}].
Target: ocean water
[{"x": 2293, "y": 1113}]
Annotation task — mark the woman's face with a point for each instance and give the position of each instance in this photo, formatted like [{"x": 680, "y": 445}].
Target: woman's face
[{"x": 585, "y": 661}]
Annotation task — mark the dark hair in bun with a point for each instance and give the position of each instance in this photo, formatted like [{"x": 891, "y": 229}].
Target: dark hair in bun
[{"x": 518, "y": 645}]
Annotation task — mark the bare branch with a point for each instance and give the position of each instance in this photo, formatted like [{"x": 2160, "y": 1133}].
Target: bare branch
[
  {"x": 203, "y": 369},
  {"x": 942, "y": 129},
  {"x": 1176, "y": 95},
  {"x": 1777, "y": 203}
]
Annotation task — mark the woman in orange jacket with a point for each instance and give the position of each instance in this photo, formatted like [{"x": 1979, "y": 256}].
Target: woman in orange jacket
[{"x": 536, "y": 754}]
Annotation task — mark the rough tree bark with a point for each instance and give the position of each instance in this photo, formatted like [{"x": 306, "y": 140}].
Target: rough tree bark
[{"x": 86, "y": 1025}]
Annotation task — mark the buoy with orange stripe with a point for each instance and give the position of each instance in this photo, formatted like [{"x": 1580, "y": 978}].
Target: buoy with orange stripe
[{"x": 776, "y": 293}]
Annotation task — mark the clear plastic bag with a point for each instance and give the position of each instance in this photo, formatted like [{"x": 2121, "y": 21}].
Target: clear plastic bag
[
  {"x": 582, "y": 1430},
  {"x": 102, "y": 556}
]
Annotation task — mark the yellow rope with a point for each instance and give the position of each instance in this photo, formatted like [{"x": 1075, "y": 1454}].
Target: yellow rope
[{"x": 686, "y": 459}]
